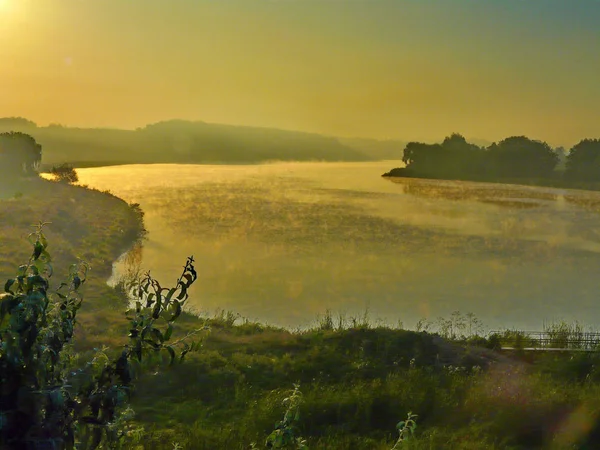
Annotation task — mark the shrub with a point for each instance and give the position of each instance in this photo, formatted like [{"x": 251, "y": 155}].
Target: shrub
[
  {"x": 64, "y": 173},
  {"x": 48, "y": 399}
]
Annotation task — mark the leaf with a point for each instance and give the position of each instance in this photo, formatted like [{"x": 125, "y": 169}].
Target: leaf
[
  {"x": 177, "y": 307},
  {"x": 189, "y": 278},
  {"x": 183, "y": 353},
  {"x": 157, "y": 335},
  {"x": 150, "y": 300},
  {"x": 157, "y": 308},
  {"x": 172, "y": 354},
  {"x": 183, "y": 292},
  {"x": 8, "y": 285},
  {"x": 38, "y": 248},
  {"x": 152, "y": 344},
  {"x": 193, "y": 272},
  {"x": 169, "y": 332},
  {"x": 37, "y": 281},
  {"x": 170, "y": 294},
  {"x": 43, "y": 241}
]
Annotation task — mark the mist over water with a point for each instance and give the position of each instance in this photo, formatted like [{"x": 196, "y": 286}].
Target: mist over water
[{"x": 283, "y": 242}]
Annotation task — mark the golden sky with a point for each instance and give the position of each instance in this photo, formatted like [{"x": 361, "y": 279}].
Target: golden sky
[{"x": 407, "y": 69}]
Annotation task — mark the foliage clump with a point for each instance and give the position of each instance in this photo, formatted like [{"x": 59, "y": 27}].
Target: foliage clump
[
  {"x": 48, "y": 398},
  {"x": 19, "y": 153},
  {"x": 514, "y": 157},
  {"x": 583, "y": 162},
  {"x": 64, "y": 173}
]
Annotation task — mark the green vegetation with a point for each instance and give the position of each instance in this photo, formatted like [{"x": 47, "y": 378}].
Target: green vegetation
[
  {"x": 357, "y": 383},
  {"x": 51, "y": 400},
  {"x": 516, "y": 159},
  {"x": 406, "y": 428}
]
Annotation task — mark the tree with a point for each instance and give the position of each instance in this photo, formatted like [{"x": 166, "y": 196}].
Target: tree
[
  {"x": 65, "y": 173},
  {"x": 521, "y": 157},
  {"x": 422, "y": 158},
  {"x": 19, "y": 152},
  {"x": 463, "y": 158},
  {"x": 48, "y": 401},
  {"x": 583, "y": 162},
  {"x": 453, "y": 158}
]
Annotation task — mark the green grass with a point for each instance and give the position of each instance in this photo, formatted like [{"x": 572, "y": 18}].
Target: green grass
[{"x": 358, "y": 383}]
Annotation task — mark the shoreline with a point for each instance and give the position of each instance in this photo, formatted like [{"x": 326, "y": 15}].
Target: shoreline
[{"x": 559, "y": 184}]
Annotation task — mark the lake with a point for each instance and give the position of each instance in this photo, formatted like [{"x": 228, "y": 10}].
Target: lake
[{"x": 284, "y": 242}]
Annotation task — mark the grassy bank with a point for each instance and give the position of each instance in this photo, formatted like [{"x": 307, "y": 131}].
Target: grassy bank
[
  {"x": 82, "y": 223},
  {"x": 357, "y": 381}
]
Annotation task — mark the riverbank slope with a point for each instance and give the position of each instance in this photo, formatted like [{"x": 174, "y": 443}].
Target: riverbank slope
[{"x": 82, "y": 223}]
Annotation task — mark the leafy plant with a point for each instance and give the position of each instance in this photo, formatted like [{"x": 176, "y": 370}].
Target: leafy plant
[
  {"x": 48, "y": 399},
  {"x": 285, "y": 434},
  {"x": 406, "y": 428}
]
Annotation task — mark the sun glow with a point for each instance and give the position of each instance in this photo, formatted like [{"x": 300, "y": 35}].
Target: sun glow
[{"x": 6, "y": 10}]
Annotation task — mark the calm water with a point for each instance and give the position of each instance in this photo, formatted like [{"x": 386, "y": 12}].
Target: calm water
[{"x": 284, "y": 242}]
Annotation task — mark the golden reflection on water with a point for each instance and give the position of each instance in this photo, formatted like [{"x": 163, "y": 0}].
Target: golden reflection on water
[{"x": 283, "y": 242}]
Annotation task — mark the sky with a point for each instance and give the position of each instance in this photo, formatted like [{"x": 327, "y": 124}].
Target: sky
[{"x": 386, "y": 69}]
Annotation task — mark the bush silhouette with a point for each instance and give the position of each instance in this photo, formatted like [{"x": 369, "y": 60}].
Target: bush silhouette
[{"x": 64, "y": 173}]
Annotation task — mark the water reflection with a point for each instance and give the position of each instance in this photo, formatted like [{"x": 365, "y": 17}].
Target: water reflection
[{"x": 283, "y": 242}]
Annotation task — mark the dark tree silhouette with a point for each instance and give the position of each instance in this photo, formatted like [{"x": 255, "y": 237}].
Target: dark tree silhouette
[
  {"x": 422, "y": 158},
  {"x": 453, "y": 158},
  {"x": 583, "y": 162},
  {"x": 516, "y": 157},
  {"x": 19, "y": 152},
  {"x": 462, "y": 158},
  {"x": 65, "y": 173},
  {"x": 521, "y": 157}
]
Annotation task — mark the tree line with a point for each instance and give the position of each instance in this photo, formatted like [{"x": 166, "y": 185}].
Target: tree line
[{"x": 516, "y": 157}]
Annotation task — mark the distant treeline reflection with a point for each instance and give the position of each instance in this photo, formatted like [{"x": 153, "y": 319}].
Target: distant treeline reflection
[{"x": 514, "y": 159}]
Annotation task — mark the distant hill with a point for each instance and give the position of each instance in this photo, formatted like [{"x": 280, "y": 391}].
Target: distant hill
[
  {"x": 16, "y": 123},
  {"x": 179, "y": 141}
]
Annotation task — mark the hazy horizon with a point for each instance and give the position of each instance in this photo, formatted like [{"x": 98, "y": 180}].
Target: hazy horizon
[
  {"x": 377, "y": 69},
  {"x": 474, "y": 139}
]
